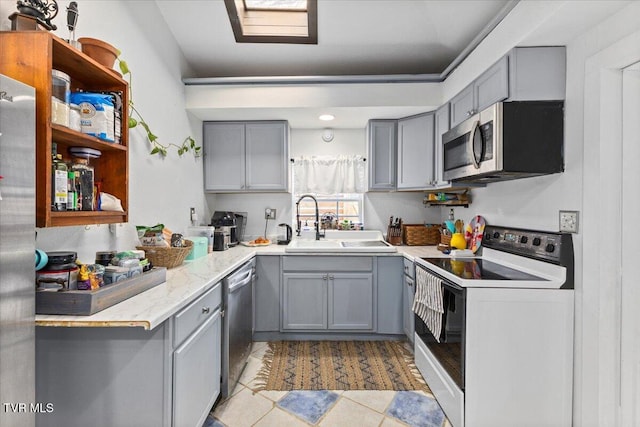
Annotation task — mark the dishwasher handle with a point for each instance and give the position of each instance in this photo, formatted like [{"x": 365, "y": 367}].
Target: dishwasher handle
[{"x": 235, "y": 284}]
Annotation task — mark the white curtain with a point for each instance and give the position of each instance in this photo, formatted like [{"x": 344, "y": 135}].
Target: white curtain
[{"x": 329, "y": 174}]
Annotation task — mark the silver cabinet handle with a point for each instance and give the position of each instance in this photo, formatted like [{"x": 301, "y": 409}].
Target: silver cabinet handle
[
  {"x": 205, "y": 310},
  {"x": 325, "y": 277},
  {"x": 330, "y": 277}
]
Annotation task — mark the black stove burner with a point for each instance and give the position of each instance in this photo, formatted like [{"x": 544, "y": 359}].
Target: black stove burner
[{"x": 479, "y": 269}]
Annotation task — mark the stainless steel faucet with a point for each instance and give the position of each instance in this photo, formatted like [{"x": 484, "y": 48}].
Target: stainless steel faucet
[{"x": 316, "y": 223}]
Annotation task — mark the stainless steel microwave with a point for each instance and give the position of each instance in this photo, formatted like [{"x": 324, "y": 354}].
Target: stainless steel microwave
[{"x": 508, "y": 140}]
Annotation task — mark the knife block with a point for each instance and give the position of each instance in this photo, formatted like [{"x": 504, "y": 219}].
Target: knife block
[{"x": 394, "y": 236}]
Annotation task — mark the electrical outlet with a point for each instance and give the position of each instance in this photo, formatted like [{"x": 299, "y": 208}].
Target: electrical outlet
[
  {"x": 569, "y": 221},
  {"x": 269, "y": 213}
]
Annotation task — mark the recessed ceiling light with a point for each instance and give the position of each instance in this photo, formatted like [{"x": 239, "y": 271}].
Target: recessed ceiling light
[{"x": 326, "y": 117}]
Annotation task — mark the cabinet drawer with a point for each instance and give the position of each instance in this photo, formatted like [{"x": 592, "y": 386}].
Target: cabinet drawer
[
  {"x": 196, "y": 314},
  {"x": 409, "y": 268},
  {"x": 327, "y": 263}
]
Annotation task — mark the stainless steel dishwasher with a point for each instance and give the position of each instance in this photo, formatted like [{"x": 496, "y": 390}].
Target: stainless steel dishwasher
[{"x": 237, "y": 294}]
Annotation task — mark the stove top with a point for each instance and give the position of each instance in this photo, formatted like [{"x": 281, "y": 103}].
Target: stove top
[{"x": 480, "y": 269}]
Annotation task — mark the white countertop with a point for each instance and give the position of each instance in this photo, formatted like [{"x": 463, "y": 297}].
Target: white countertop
[{"x": 185, "y": 283}]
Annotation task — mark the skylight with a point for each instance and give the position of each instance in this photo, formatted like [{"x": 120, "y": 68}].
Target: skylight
[{"x": 274, "y": 21}]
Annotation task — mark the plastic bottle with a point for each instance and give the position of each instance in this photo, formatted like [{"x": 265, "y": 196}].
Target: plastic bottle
[
  {"x": 72, "y": 195},
  {"x": 59, "y": 176}
]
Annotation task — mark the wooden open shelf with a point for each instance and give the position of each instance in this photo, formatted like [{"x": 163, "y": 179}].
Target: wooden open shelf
[{"x": 29, "y": 57}]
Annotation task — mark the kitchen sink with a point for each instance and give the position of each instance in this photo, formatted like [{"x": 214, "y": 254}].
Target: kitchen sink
[{"x": 342, "y": 242}]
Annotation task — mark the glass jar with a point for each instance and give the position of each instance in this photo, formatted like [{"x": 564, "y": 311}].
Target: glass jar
[{"x": 60, "y": 93}]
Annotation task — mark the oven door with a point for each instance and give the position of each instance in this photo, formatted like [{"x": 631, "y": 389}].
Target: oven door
[
  {"x": 447, "y": 342},
  {"x": 473, "y": 147}
]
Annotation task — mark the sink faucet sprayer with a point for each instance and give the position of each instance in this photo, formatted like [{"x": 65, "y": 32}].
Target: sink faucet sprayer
[{"x": 316, "y": 223}]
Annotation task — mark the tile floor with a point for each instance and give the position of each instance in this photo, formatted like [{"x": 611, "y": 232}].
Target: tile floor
[{"x": 324, "y": 408}]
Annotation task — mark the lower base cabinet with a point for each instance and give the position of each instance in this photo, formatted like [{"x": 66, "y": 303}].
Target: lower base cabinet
[
  {"x": 127, "y": 376},
  {"x": 196, "y": 373},
  {"x": 324, "y": 293}
]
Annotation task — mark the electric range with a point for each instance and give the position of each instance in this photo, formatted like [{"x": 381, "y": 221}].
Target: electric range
[{"x": 494, "y": 332}]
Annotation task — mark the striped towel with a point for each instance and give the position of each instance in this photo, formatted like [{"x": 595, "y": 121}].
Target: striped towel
[{"x": 428, "y": 301}]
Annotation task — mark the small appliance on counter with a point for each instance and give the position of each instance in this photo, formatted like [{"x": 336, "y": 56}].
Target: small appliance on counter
[
  {"x": 233, "y": 223},
  {"x": 221, "y": 239},
  {"x": 287, "y": 234}
]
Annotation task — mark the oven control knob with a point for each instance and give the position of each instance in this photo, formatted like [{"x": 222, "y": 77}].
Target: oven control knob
[
  {"x": 496, "y": 235},
  {"x": 536, "y": 241},
  {"x": 524, "y": 239},
  {"x": 487, "y": 236},
  {"x": 550, "y": 247}
]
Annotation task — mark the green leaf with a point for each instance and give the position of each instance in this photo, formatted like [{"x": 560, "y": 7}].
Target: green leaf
[
  {"x": 155, "y": 150},
  {"x": 124, "y": 68},
  {"x": 132, "y": 122}
]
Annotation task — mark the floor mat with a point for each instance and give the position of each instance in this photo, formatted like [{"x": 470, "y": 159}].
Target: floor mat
[{"x": 339, "y": 365}]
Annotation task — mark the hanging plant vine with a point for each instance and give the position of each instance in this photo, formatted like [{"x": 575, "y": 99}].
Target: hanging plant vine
[{"x": 189, "y": 144}]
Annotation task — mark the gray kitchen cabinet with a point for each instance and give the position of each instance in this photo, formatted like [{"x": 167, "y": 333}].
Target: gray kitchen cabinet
[
  {"x": 492, "y": 86},
  {"x": 441, "y": 125},
  {"x": 266, "y": 301},
  {"x": 382, "y": 135},
  {"x": 246, "y": 156},
  {"x": 304, "y": 301},
  {"x": 321, "y": 293},
  {"x": 525, "y": 73},
  {"x": 126, "y": 376},
  {"x": 389, "y": 280},
  {"x": 351, "y": 301},
  {"x": 408, "y": 292},
  {"x": 197, "y": 360},
  {"x": 415, "y": 152}
]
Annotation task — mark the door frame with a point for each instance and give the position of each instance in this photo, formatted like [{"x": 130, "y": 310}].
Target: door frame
[{"x": 606, "y": 398}]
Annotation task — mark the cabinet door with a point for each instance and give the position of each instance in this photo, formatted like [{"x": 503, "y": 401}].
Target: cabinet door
[
  {"x": 382, "y": 155},
  {"x": 441, "y": 126},
  {"x": 415, "y": 152},
  {"x": 389, "y": 289},
  {"x": 196, "y": 374},
  {"x": 267, "y": 156},
  {"x": 266, "y": 302},
  {"x": 493, "y": 85},
  {"x": 304, "y": 301},
  {"x": 408, "y": 324},
  {"x": 351, "y": 301},
  {"x": 462, "y": 105},
  {"x": 224, "y": 156}
]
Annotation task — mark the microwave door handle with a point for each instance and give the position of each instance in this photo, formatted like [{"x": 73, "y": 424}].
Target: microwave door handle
[{"x": 475, "y": 128}]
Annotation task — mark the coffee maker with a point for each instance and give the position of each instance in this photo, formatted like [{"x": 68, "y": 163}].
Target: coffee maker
[{"x": 231, "y": 224}]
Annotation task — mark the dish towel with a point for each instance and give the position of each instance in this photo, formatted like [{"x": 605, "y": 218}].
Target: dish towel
[{"x": 428, "y": 302}]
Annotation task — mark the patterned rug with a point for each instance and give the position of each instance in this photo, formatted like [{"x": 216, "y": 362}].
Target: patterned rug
[{"x": 339, "y": 365}]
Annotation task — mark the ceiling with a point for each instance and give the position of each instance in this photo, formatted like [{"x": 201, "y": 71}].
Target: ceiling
[
  {"x": 360, "y": 39},
  {"x": 355, "y": 37}
]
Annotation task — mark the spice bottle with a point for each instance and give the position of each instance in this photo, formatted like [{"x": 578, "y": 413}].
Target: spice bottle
[{"x": 58, "y": 184}]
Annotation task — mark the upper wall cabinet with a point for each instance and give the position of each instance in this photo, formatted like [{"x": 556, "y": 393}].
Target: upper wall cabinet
[
  {"x": 415, "y": 169},
  {"x": 525, "y": 73},
  {"x": 441, "y": 125},
  {"x": 246, "y": 156},
  {"x": 401, "y": 153},
  {"x": 382, "y": 136},
  {"x": 29, "y": 57}
]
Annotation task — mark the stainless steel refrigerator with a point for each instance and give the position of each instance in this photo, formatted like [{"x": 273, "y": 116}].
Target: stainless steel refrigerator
[{"x": 17, "y": 253}]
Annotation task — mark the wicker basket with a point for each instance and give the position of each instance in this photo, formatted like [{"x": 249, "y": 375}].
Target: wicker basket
[
  {"x": 421, "y": 234},
  {"x": 161, "y": 256},
  {"x": 445, "y": 239}
]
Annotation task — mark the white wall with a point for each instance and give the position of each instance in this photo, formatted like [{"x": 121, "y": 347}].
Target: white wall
[{"x": 160, "y": 190}]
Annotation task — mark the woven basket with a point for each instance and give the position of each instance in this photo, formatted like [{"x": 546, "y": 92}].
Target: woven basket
[
  {"x": 445, "y": 240},
  {"x": 421, "y": 234},
  {"x": 161, "y": 256}
]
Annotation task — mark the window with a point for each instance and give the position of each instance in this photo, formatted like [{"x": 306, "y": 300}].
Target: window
[
  {"x": 336, "y": 210},
  {"x": 274, "y": 21}
]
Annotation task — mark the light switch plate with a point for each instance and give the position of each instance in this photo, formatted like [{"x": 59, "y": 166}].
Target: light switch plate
[{"x": 569, "y": 221}]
